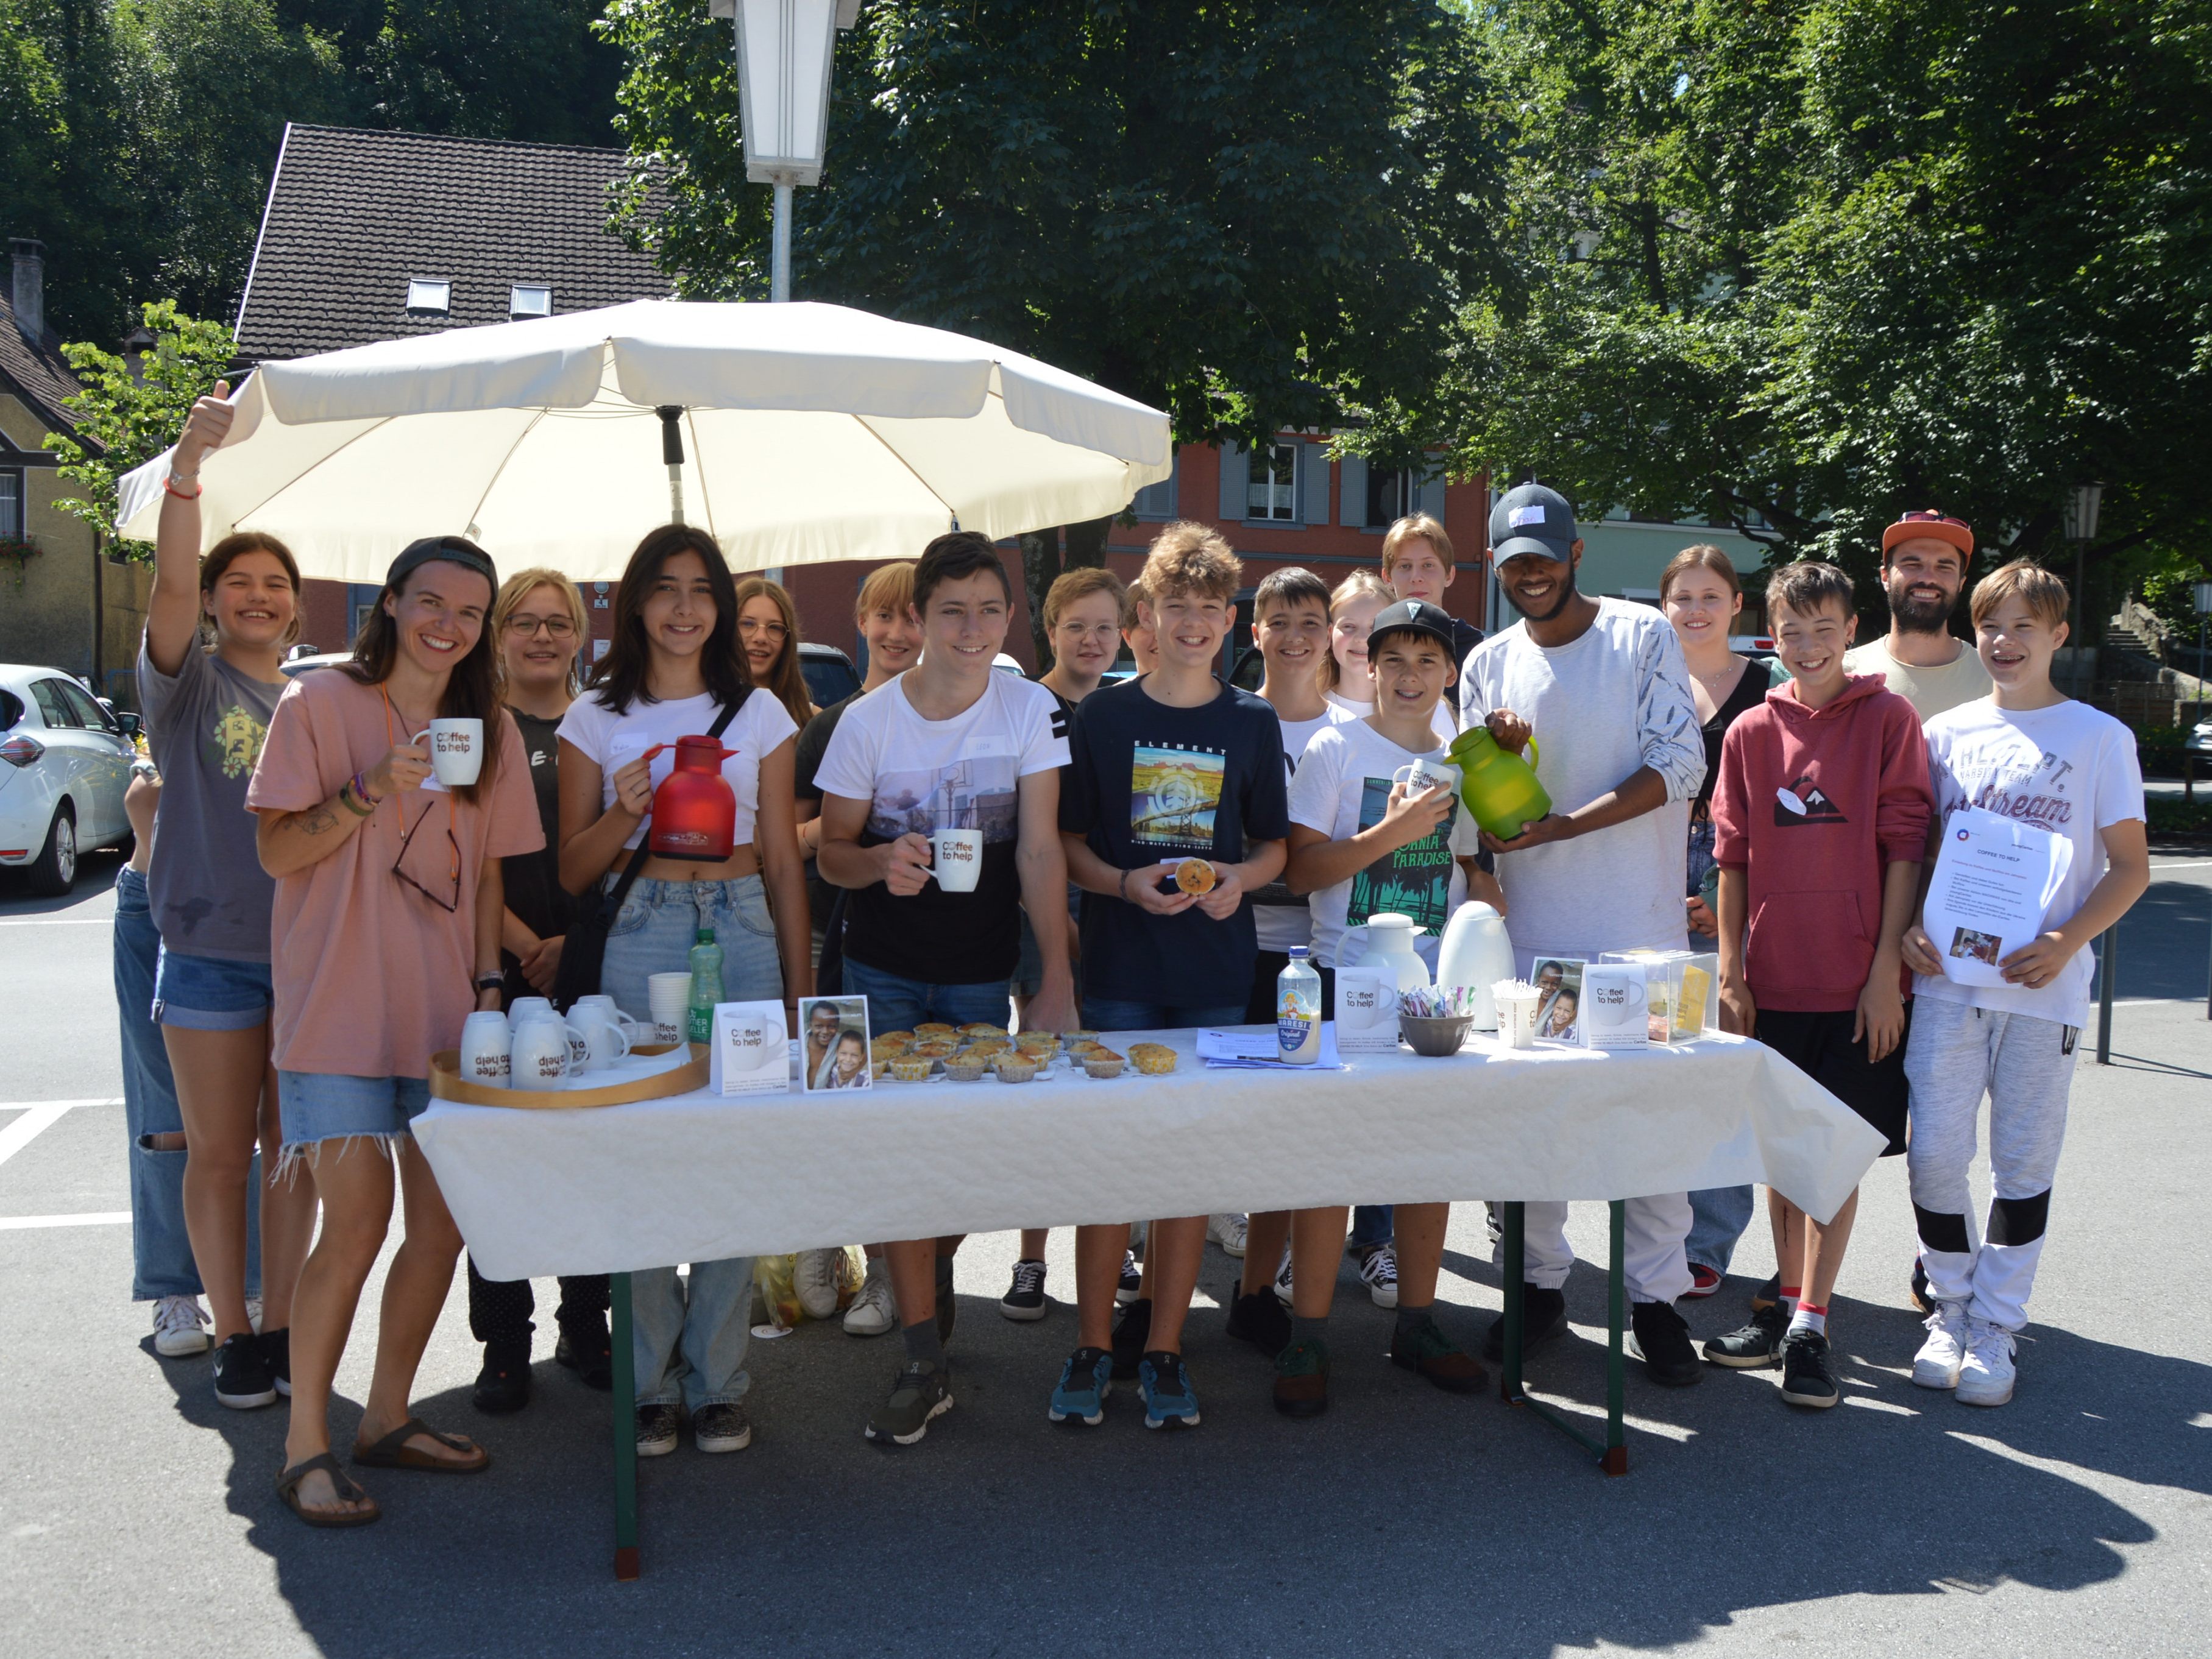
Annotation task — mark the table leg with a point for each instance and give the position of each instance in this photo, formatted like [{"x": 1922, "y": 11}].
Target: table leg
[
  {"x": 625, "y": 1414},
  {"x": 1509, "y": 1379},
  {"x": 1615, "y": 1461}
]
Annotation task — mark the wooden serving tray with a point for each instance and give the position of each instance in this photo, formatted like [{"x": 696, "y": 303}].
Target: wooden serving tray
[{"x": 447, "y": 1084}]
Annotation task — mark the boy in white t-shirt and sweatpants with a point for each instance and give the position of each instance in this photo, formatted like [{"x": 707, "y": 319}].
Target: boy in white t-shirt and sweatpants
[{"x": 2029, "y": 753}]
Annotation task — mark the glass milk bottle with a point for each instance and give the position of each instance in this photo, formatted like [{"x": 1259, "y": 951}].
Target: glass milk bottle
[{"x": 1297, "y": 1011}]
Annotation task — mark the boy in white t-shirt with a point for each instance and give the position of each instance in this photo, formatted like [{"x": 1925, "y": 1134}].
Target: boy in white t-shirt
[
  {"x": 1363, "y": 841},
  {"x": 2026, "y": 752}
]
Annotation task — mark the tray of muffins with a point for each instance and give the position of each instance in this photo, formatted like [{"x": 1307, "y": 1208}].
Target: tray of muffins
[{"x": 984, "y": 1052}]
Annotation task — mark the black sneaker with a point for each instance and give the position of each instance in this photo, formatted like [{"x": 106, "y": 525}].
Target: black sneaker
[
  {"x": 1921, "y": 1299},
  {"x": 1807, "y": 1379},
  {"x": 1543, "y": 1316},
  {"x": 503, "y": 1384},
  {"x": 1025, "y": 1298},
  {"x": 1132, "y": 1282},
  {"x": 1768, "y": 1295},
  {"x": 658, "y": 1429},
  {"x": 1662, "y": 1337},
  {"x": 277, "y": 1353},
  {"x": 921, "y": 1394},
  {"x": 721, "y": 1427},
  {"x": 1131, "y": 1332},
  {"x": 241, "y": 1374},
  {"x": 1755, "y": 1346},
  {"x": 1259, "y": 1319},
  {"x": 587, "y": 1351}
]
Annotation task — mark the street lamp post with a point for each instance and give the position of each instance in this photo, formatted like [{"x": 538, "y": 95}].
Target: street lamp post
[
  {"x": 2082, "y": 505},
  {"x": 785, "y": 50}
]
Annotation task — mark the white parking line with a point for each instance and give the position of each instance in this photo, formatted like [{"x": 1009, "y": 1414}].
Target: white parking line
[
  {"x": 37, "y": 1117},
  {"x": 57, "y": 921},
  {"x": 89, "y": 1218}
]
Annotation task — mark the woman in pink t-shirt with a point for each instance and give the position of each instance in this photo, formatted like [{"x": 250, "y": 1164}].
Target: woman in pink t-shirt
[{"x": 385, "y": 935}]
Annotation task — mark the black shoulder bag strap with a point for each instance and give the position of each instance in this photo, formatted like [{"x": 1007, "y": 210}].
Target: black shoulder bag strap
[{"x": 583, "y": 954}]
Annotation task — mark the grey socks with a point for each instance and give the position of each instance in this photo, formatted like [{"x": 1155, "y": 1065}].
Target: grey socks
[
  {"x": 923, "y": 1346},
  {"x": 1308, "y": 1330}
]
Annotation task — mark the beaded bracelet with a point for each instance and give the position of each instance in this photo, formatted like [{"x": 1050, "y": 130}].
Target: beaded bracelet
[{"x": 368, "y": 806}]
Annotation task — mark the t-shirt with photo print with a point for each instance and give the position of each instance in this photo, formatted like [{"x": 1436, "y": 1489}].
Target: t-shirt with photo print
[
  {"x": 920, "y": 776},
  {"x": 1147, "y": 782}
]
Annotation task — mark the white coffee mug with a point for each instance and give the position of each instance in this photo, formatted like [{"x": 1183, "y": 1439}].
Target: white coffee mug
[
  {"x": 456, "y": 751},
  {"x": 1425, "y": 774},
  {"x": 539, "y": 1055},
  {"x": 956, "y": 859},
  {"x": 484, "y": 1049},
  {"x": 528, "y": 1008},
  {"x": 579, "y": 1049},
  {"x": 605, "y": 1040}
]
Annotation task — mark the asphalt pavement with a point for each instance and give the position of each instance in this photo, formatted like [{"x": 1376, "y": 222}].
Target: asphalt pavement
[{"x": 138, "y": 1516}]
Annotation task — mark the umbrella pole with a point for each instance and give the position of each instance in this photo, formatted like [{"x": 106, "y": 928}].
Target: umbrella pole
[{"x": 671, "y": 452}]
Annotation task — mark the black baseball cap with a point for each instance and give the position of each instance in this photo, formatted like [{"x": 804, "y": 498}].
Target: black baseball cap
[
  {"x": 1530, "y": 519},
  {"x": 1414, "y": 617}
]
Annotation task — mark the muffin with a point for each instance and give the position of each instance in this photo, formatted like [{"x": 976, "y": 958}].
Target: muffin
[
  {"x": 1037, "y": 1042},
  {"x": 880, "y": 1069},
  {"x": 1153, "y": 1059},
  {"x": 968, "y": 1067},
  {"x": 982, "y": 1028},
  {"x": 1079, "y": 1047},
  {"x": 889, "y": 1047},
  {"x": 1100, "y": 1061},
  {"x": 935, "y": 1028},
  {"x": 935, "y": 1048},
  {"x": 910, "y": 1070},
  {"x": 905, "y": 1039},
  {"x": 987, "y": 1046},
  {"x": 1013, "y": 1068},
  {"x": 1074, "y": 1037},
  {"x": 1195, "y": 876}
]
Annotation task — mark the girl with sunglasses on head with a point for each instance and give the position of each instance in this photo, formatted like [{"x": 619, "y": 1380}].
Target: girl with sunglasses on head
[
  {"x": 208, "y": 677},
  {"x": 539, "y": 626},
  {"x": 676, "y": 668},
  {"x": 387, "y": 933}
]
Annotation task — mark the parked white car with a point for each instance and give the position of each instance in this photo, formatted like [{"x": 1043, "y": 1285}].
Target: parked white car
[{"x": 64, "y": 764}]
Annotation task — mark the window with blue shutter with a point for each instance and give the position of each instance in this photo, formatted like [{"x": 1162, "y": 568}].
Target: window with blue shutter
[
  {"x": 1232, "y": 483},
  {"x": 1312, "y": 490},
  {"x": 1272, "y": 486},
  {"x": 1430, "y": 497},
  {"x": 1352, "y": 492}
]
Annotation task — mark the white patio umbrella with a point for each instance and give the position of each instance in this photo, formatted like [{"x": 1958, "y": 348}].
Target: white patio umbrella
[{"x": 807, "y": 432}]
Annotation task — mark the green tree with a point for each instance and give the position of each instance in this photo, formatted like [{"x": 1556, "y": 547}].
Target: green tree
[
  {"x": 1796, "y": 265},
  {"x": 1255, "y": 217},
  {"x": 133, "y": 410}
]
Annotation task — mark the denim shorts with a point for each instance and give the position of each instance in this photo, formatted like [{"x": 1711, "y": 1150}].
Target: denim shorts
[
  {"x": 211, "y": 994},
  {"x": 320, "y": 1106}
]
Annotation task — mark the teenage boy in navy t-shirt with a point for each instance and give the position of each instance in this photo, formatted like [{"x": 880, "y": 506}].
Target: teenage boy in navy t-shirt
[{"x": 1170, "y": 767}]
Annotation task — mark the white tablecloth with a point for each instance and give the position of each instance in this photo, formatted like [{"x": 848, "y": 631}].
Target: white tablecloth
[{"x": 698, "y": 1177}]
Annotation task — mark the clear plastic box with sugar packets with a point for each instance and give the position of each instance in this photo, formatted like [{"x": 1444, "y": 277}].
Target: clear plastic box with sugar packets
[{"x": 1681, "y": 990}]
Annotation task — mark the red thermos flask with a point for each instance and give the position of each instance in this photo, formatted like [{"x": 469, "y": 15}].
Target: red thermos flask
[{"x": 695, "y": 814}]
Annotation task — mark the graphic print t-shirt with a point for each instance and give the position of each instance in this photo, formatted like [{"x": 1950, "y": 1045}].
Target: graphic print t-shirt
[
  {"x": 1148, "y": 782},
  {"x": 205, "y": 724},
  {"x": 919, "y": 776},
  {"x": 2069, "y": 768},
  {"x": 1342, "y": 786}
]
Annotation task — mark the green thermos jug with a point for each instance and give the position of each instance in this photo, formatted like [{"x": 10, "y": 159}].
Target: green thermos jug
[{"x": 1498, "y": 787}]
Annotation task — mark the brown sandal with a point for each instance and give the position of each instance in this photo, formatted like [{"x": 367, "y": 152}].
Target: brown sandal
[
  {"x": 288, "y": 1488},
  {"x": 392, "y": 1452}
]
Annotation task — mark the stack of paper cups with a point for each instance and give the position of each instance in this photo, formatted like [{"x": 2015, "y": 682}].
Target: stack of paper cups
[
  {"x": 1518, "y": 1004},
  {"x": 671, "y": 996}
]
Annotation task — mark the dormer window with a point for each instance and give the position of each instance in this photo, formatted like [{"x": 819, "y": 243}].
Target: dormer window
[
  {"x": 529, "y": 300},
  {"x": 434, "y": 294}
]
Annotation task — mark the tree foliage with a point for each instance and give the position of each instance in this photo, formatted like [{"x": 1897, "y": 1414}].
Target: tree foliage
[
  {"x": 132, "y": 409},
  {"x": 139, "y": 135},
  {"x": 1796, "y": 265}
]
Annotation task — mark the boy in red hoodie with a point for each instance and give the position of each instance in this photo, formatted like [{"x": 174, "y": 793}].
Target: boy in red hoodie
[{"x": 1821, "y": 821}]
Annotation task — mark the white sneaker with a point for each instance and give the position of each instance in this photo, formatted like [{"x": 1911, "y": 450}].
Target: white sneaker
[
  {"x": 1936, "y": 1364},
  {"x": 1380, "y": 1269},
  {"x": 177, "y": 1321},
  {"x": 814, "y": 1276},
  {"x": 1283, "y": 1279},
  {"x": 1227, "y": 1231},
  {"x": 873, "y": 1312},
  {"x": 1987, "y": 1373}
]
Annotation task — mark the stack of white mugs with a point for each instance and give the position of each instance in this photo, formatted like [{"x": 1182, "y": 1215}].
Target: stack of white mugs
[{"x": 532, "y": 1047}]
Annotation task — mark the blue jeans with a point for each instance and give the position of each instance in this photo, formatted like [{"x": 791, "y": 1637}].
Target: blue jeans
[
  {"x": 1370, "y": 1225},
  {"x": 160, "y": 1251},
  {"x": 694, "y": 1350},
  {"x": 1107, "y": 1014},
  {"x": 896, "y": 1003},
  {"x": 660, "y": 922},
  {"x": 1718, "y": 1216}
]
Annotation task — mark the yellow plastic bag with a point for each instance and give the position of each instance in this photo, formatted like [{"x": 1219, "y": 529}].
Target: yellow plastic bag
[{"x": 778, "y": 1297}]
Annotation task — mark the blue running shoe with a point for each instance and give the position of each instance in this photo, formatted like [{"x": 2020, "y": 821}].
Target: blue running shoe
[
  {"x": 1085, "y": 1382},
  {"x": 1170, "y": 1402}
]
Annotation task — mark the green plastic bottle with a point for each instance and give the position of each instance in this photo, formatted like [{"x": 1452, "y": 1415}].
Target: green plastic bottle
[{"x": 706, "y": 986}]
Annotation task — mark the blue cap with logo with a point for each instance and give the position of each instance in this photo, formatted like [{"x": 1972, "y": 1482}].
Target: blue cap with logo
[{"x": 1530, "y": 519}]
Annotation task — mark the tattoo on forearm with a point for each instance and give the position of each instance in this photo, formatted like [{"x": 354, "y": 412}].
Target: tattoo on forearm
[{"x": 317, "y": 819}]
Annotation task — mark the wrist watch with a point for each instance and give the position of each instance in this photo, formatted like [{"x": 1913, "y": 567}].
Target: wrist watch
[{"x": 490, "y": 982}]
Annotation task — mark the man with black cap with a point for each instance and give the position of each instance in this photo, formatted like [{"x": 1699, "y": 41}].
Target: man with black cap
[{"x": 1602, "y": 686}]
